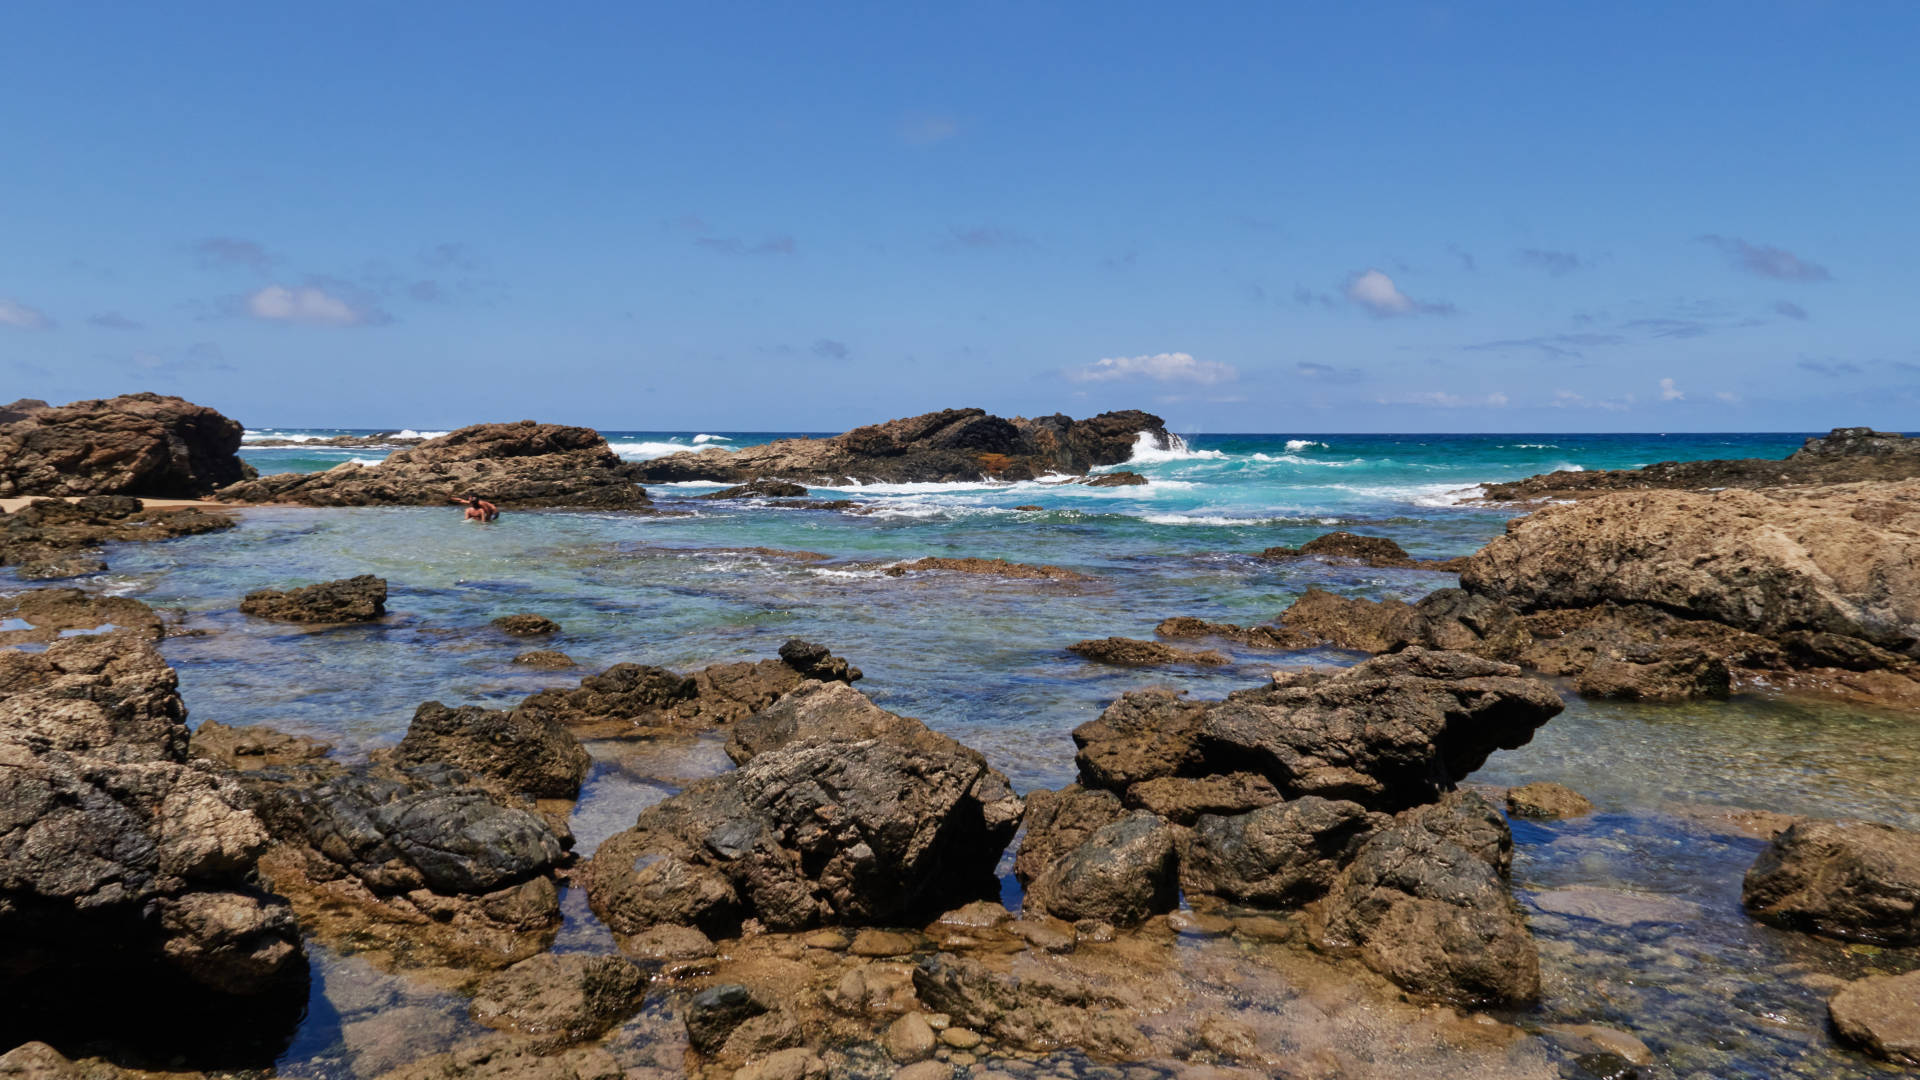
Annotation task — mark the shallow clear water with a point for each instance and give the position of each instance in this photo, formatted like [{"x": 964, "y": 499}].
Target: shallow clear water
[{"x": 983, "y": 660}]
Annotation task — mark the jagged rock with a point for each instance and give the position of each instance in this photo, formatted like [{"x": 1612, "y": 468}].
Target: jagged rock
[
  {"x": 1280, "y": 638},
  {"x": 1433, "y": 914},
  {"x": 53, "y": 538},
  {"x": 1129, "y": 652},
  {"x": 1392, "y": 732},
  {"x": 516, "y": 465},
  {"x": 636, "y": 699},
  {"x": 545, "y": 659},
  {"x": 986, "y": 567},
  {"x": 954, "y": 444},
  {"x": 22, "y": 408},
  {"x": 1182, "y": 799},
  {"x": 1282, "y": 855},
  {"x": 526, "y": 625},
  {"x": 778, "y": 489},
  {"x": 1374, "y": 551},
  {"x": 1543, "y": 799},
  {"x": 134, "y": 444},
  {"x": 1058, "y": 822},
  {"x": 1846, "y": 455},
  {"x": 57, "y": 613},
  {"x": 1880, "y": 1015},
  {"x": 1124, "y": 872},
  {"x": 1446, "y": 619},
  {"x": 820, "y": 828},
  {"x": 560, "y": 999},
  {"x": 1845, "y": 879},
  {"x": 115, "y": 850},
  {"x": 1116, "y": 479},
  {"x": 525, "y": 750},
  {"x": 354, "y": 599}
]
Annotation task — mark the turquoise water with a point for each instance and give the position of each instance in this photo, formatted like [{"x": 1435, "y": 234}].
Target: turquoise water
[{"x": 984, "y": 660}]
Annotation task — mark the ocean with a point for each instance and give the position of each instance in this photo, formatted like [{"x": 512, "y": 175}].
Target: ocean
[{"x": 985, "y": 660}]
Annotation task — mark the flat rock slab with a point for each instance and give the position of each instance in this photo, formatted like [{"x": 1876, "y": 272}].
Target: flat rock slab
[{"x": 1615, "y": 908}]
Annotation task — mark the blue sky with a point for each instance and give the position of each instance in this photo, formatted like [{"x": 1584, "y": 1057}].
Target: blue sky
[{"x": 1258, "y": 217}]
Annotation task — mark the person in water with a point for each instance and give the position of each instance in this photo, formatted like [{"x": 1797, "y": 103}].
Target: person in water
[{"x": 478, "y": 509}]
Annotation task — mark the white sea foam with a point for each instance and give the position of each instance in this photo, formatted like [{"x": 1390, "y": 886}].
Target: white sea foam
[
  {"x": 1535, "y": 446},
  {"x": 409, "y": 433},
  {"x": 1203, "y": 519},
  {"x": 1297, "y": 445},
  {"x": 1451, "y": 494},
  {"x": 703, "y": 437},
  {"x": 646, "y": 451},
  {"x": 1146, "y": 453},
  {"x": 262, "y": 436},
  {"x": 368, "y": 462},
  {"x": 1295, "y": 459}
]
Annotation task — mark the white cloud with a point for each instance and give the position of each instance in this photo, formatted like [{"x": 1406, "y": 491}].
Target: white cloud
[
  {"x": 1160, "y": 367},
  {"x": 1728, "y": 397},
  {"x": 22, "y": 317},
  {"x": 303, "y": 304},
  {"x": 1376, "y": 292},
  {"x": 1670, "y": 392}
]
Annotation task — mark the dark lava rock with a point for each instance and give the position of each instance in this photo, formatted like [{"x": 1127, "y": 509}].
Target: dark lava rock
[
  {"x": 1392, "y": 732},
  {"x": 1116, "y": 479},
  {"x": 1542, "y": 799},
  {"x": 1123, "y": 873},
  {"x": 1844, "y": 456},
  {"x": 518, "y": 465},
  {"x": 713, "y": 1014},
  {"x": 525, "y": 750},
  {"x": 545, "y": 659},
  {"x": 354, "y": 599},
  {"x": 1282, "y": 855},
  {"x": 636, "y": 699},
  {"x": 955, "y": 444},
  {"x": 1374, "y": 551},
  {"x": 134, "y": 444},
  {"x": 1130, "y": 652},
  {"x": 1434, "y": 914},
  {"x": 823, "y": 827},
  {"x": 1880, "y": 1015},
  {"x": 1280, "y": 638},
  {"x": 1847, "y": 879},
  {"x": 815, "y": 661},
  {"x": 53, "y": 538},
  {"x": 127, "y": 872},
  {"x": 560, "y": 999},
  {"x": 772, "y": 489},
  {"x": 526, "y": 625}
]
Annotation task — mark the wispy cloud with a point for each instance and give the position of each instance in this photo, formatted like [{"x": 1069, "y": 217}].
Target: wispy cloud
[
  {"x": 1790, "y": 309},
  {"x": 1556, "y": 263},
  {"x": 925, "y": 129},
  {"x": 21, "y": 317},
  {"x": 1441, "y": 399},
  {"x": 229, "y": 252},
  {"x": 830, "y": 349},
  {"x": 706, "y": 236},
  {"x": 313, "y": 304},
  {"x": 1308, "y": 369},
  {"x": 113, "y": 320},
  {"x": 1568, "y": 399},
  {"x": 1831, "y": 368},
  {"x": 1561, "y": 346},
  {"x": 1766, "y": 260},
  {"x": 1670, "y": 392},
  {"x": 1159, "y": 367},
  {"x": 1466, "y": 258},
  {"x": 1376, "y": 292}
]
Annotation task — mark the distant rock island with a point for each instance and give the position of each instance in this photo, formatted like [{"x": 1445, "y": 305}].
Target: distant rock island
[
  {"x": 1843, "y": 456},
  {"x": 937, "y": 447}
]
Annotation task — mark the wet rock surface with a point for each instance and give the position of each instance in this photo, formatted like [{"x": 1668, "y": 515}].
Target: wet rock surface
[
  {"x": 762, "y": 489},
  {"x": 354, "y": 599},
  {"x": 1283, "y": 855},
  {"x": 560, "y": 999},
  {"x": 1858, "y": 880},
  {"x": 55, "y": 613},
  {"x": 53, "y": 538},
  {"x": 1845, "y": 455},
  {"x": 1121, "y": 873},
  {"x": 1131, "y": 652},
  {"x": 1546, "y": 800},
  {"x": 526, "y": 625},
  {"x": 134, "y": 444},
  {"x": 954, "y": 444},
  {"x": 1278, "y": 638},
  {"x": 1122, "y": 478},
  {"x": 518, "y": 465},
  {"x": 1881, "y": 1016},
  {"x": 987, "y": 567},
  {"x": 1375, "y": 551}
]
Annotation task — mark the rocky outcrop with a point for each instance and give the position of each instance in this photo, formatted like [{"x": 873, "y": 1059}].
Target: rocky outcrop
[
  {"x": 1881, "y": 1016},
  {"x": 1375, "y": 551},
  {"x": 22, "y": 408},
  {"x": 1846, "y": 455},
  {"x": 1283, "y": 855},
  {"x": 56, "y": 613},
  {"x": 1277, "y": 638},
  {"x": 1131, "y": 652},
  {"x": 354, "y": 599},
  {"x": 523, "y": 750},
  {"x": 839, "y": 813},
  {"x": 1392, "y": 732},
  {"x": 1116, "y": 479},
  {"x": 637, "y": 699},
  {"x": 134, "y": 444},
  {"x": 955, "y": 444},
  {"x": 1848, "y": 879},
  {"x": 126, "y": 871},
  {"x": 759, "y": 489},
  {"x": 518, "y": 465},
  {"x": 53, "y": 538}
]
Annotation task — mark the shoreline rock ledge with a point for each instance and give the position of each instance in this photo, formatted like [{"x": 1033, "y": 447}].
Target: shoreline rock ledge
[{"x": 937, "y": 447}]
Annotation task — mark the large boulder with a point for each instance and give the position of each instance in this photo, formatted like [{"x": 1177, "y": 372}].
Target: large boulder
[
  {"x": 1281, "y": 855},
  {"x": 639, "y": 699},
  {"x": 134, "y": 444},
  {"x": 1393, "y": 732},
  {"x": 516, "y": 465},
  {"x": 1848, "y": 879},
  {"x": 123, "y": 864},
  {"x": 355, "y": 599},
  {"x": 845, "y": 814},
  {"x": 53, "y": 538},
  {"x": 954, "y": 444},
  {"x": 524, "y": 750},
  {"x": 1425, "y": 902},
  {"x": 1124, "y": 872}
]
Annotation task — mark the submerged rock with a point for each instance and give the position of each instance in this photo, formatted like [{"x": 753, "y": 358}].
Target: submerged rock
[
  {"x": 134, "y": 444},
  {"x": 53, "y": 538},
  {"x": 526, "y": 625},
  {"x": 1129, "y": 652},
  {"x": 562, "y": 999},
  {"x": 57, "y": 613},
  {"x": 1847, "y": 879},
  {"x": 988, "y": 567},
  {"x": 823, "y": 824},
  {"x": 1122, "y": 478},
  {"x": 1279, "y": 638},
  {"x": 1542, "y": 799},
  {"x": 354, "y": 599},
  {"x": 773, "y": 489},
  {"x": 518, "y": 465},
  {"x": 1880, "y": 1015},
  {"x": 545, "y": 659},
  {"x": 954, "y": 444}
]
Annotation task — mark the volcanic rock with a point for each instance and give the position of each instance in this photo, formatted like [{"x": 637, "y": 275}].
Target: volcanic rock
[
  {"x": 955, "y": 444},
  {"x": 517, "y": 465},
  {"x": 525, "y": 750},
  {"x": 1124, "y": 872},
  {"x": 1848, "y": 879},
  {"x": 1375, "y": 551},
  {"x": 1880, "y": 1015},
  {"x": 52, "y": 538},
  {"x": 1131, "y": 652},
  {"x": 775, "y": 489},
  {"x": 824, "y": 827},
  {"x": 526, "y": 625},
  {"x": 1281, "y": 855},
  {"x": 1279, "y": 638},
  {"x": 1846, "y": 455},
  {"x": 134, "y": 444},
  {"x": 354, "y": 599}
]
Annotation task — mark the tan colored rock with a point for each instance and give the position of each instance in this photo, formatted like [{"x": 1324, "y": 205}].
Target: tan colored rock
[
  {"x": 1543, "y": 799},
  {"x": 1880, "y": 1015},
  {"x": 909, "y": 1039}
]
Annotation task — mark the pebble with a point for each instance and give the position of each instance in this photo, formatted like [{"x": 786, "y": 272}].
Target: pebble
[
  {"x": 925, "y": 1070},
  {"x": 881, "y": 943},
  {"x": 909, "y": 1039},
  {"x": 825, "y": 939},
  {"x": 960, "y": 1038}
]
